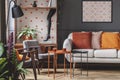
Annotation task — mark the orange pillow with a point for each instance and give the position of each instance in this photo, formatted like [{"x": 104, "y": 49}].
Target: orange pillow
[
  {"x": 82, "y": 40},
  {"x": 20, "y": 56},
  {"x": 110, "y": 40}
]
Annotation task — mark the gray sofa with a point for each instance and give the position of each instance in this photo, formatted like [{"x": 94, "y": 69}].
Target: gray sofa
[{"x": 94, "y": 55}]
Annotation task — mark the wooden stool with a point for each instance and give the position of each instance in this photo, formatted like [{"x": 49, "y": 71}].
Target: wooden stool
[{"x": 57, "y": 52}]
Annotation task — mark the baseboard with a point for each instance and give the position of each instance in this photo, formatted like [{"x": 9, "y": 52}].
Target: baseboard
[{"x": 90, "y": 66}]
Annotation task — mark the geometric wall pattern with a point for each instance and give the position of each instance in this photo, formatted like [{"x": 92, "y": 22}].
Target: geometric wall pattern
[
  {"x": 96, "y": 11},
  {"x": 36, "y": 18}
]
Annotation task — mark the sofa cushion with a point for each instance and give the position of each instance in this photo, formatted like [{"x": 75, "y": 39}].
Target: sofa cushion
[
  {"x": 110, "y": 40},
  {"x": 82, "y": 40},
  {"x": 105, "y": 53},
  {"x": 90, "y": 53},
  {"x": 96, "y": 36}
]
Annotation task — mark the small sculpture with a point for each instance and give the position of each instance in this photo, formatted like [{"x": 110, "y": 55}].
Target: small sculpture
[
  {"x": 34, "y": 4},
  {"x": 50, "y": 14}
]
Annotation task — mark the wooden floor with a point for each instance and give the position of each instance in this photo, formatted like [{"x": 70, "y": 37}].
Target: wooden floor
[{"x": 93, "y": 74}]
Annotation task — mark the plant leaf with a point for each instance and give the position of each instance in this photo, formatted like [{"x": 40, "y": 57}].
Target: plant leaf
[
  {"x": 3, "y": 63},
  {"x": 24, "y": 70},
  {"x": 2, "y": 78},
  {"x": 19, "y": 66},
  {"x": 3, "y": 74},
  {"x": 27, "y": 32},
  {"x": 1, "y": 49}
]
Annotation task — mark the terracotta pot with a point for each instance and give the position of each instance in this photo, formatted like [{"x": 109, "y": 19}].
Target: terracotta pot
[{"x": 27, "y": 38}]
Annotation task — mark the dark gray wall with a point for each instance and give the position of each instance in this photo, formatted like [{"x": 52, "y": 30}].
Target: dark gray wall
[
  {"x": 2, "y": 21},
  {"x": 70, "y": 20}
]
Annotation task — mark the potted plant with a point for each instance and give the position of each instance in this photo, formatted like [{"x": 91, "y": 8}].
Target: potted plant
[
  {"x": 27, "y": 33},
  {"x": 10, "y": 68},
  {"x": 14, "y": 70},
  {"x": 3, "y": 64}
]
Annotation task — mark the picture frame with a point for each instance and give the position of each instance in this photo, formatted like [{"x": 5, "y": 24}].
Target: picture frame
[{"x": 96, "y": 11}]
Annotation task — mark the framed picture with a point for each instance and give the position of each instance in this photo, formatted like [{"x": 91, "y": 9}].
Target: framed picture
[{"x": 96, "y": 10}]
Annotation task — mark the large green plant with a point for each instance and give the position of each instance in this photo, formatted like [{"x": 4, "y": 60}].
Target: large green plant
[
  {"x": 3, "y": 64},
  {"x": 10, "y": 68},
  {"x": 16, "y": 68},
  {"x": 3, "y": 70},
  {"x": 27, "y": 31}
]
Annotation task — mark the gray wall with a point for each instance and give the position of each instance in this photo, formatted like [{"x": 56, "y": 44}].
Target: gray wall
[
  {"x": 2, "y": 21},
  {"x": 70, "y": 20}
]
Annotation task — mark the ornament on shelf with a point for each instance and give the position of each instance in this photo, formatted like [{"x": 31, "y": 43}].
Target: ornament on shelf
[
  {"x": 34, "y": 4},
  {"x": 49, "y": 16}
]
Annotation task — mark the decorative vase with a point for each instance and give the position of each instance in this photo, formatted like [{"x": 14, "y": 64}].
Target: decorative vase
[
  {"x": 27, "y": 38},
  {"x": 34, "y": 4}
]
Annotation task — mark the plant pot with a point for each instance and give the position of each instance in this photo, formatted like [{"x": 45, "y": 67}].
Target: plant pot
[{"x": 27, "y": 38}]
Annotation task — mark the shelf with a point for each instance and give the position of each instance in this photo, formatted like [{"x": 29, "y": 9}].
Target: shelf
[
  {"x": 38, "y": 7},
  {"x": 42, "y": 44}
]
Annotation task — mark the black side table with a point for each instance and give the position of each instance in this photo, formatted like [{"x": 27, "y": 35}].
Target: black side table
[{"x": 81, "y": 55}]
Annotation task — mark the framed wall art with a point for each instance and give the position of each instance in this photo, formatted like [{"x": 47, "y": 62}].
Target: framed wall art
[{"x": 96, "y": 10}]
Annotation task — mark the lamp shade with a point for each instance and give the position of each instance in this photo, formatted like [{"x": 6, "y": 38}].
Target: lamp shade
[{"x": 16, "y": 11}]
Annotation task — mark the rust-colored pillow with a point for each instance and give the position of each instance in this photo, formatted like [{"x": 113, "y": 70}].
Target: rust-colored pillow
[
  {"x": 110, "y": 40},
  {"x": 82, "y": 40},
  {"x": 20, "y": 56}
]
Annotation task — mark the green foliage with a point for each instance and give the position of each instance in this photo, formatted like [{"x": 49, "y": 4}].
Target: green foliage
[
  {"x": 16, "y": 67},
  {"x": 10, "y": 68},
  {"x": 3, "y": 68},
  {"x": 21, "y": 69},
  {"x": 3, "y": 64},
  {"x": 27, "y": 31},
  {"x": 1, "y": 49}
]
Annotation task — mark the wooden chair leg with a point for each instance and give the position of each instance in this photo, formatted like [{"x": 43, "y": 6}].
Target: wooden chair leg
[
  {"x": 34, "y": 66},
  {"x": 38, "y": 67},
  {"x": 42, "y": 63},
  {"x": 34, "y": 70},
  {"x": 22, "y": 76},
  {"x": 48, "y": 63}
]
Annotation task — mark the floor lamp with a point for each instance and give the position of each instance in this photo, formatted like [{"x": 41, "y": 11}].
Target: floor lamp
[{"x": 16, "y": 12}]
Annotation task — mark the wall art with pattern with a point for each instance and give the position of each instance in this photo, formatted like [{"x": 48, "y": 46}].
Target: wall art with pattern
[{"x": 96, "y": 10}]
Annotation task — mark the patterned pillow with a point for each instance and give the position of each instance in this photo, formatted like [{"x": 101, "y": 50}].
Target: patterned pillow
[
  {"x": 82, "y": 40},
  {"x": 96, "y": 37}
]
